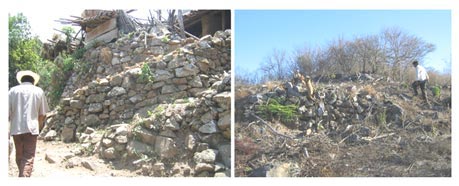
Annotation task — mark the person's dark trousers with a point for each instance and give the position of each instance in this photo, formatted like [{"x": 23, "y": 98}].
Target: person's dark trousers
[
  {"x": 25, "y": 145},
  {"x": 421, "y": 84}
]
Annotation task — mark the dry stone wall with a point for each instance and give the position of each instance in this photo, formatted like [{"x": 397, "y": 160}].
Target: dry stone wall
[{"x": 174, "y": 121}]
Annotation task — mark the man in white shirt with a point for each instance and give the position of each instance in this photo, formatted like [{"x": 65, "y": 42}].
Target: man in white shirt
[
  {"x": 27, "y": 111},
  {"x": 421, "y": 79}
]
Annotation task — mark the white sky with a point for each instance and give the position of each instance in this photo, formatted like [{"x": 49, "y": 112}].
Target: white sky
[{"x": 43, "y": 23}]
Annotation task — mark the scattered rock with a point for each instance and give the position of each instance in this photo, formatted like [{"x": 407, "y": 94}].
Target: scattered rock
[
  {"x": 89, "y": 165},
  {"x": 50, "y": 135},
  {"x": 51, "y": 158}
]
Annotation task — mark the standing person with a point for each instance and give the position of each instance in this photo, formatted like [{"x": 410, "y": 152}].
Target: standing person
[
  {"x": 27, "y": 111},
  {"x": 421, "y": 79}
]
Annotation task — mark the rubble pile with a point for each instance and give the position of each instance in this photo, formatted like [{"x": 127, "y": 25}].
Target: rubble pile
[{"x": 349, "y": 128}]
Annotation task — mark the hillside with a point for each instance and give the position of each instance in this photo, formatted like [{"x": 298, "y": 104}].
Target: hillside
[{"x": 363, "y": 127}]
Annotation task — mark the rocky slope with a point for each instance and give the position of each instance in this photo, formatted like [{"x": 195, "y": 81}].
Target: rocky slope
[
  {"x": 161, "y": 104},
  {"x": 362, "y": 127}
]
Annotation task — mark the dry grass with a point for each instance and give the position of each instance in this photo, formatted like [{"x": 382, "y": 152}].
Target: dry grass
[
  {"x": 271, "y": 85},
  {"x": 241, "y": 93},
  {"x": 369, "y": 90}
]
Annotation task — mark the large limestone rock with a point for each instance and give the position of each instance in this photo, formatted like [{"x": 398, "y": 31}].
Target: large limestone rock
[
  {"x": 187, "y": 70},
  {"x": 91, "y": 120},
  {"x": 136, "y": 147},
  {"x": 116, "y": 91},
  {"x": 68, "y": 133},
  {"x": 162, "y": 75},
  {"x": 206, "y": 156},
  {"x": 223, "y": 99},
  {"x": 209, "y": 128},
  {"x": 145, "y": 135},
  {"x": 95, "y": 98},
  {"x": 201, "y": 167},
  {"x": 395, "y": 113},
  {"x": 167, "y": 89},
  {"x": 224, "y": 153},
  {"x": 225, "y": 121},
  {"x": 165, "y": 147}
]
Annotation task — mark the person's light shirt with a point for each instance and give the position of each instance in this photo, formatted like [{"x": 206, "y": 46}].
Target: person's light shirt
[
  {"x": 26, "y": 103},
  {"x": 421, "y": 73}
]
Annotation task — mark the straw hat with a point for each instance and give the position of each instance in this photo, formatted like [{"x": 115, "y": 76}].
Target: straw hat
[{"x": 23, "y": 73}]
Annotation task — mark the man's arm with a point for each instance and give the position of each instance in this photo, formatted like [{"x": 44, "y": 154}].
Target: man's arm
[{"x": 41, "y": 122}]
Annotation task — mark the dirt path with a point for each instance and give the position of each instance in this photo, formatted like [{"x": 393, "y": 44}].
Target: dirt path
[{"x": 67, "y": 164}]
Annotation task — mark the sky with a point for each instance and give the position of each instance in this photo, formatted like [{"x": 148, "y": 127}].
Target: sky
[
  {"x": 259, "y": 32},
  {"x": 43, "y": 23}
]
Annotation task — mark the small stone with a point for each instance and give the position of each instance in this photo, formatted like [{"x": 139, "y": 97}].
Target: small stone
[
  {"x": 67, "y": 156},
  {"x": 68, "y": 121},
  {"x": 50, "y": 135},
  {"x": 121, "y": 129},
  {"x": 76, "y": 104},
  {"x": 190, "y": 142},
  {"x": 109, "y": 153},
  {"x": 115, "y": 60},
  {"x": 209, "y": 128},
  {"x": 95, "y": 107},
  {"x": 51, "y": 158},
  {"x": 121, "y": 139},
  {"x": 136, "y": 99},
  {"x": 201, "y": 167},
  {"x": 71, "y": 164},
  {"x": 89, "y": 165},
  {"x": 107, "y": 142},
  {"x": 116, "y": 91},
  {"x": 187, "y": 70}
]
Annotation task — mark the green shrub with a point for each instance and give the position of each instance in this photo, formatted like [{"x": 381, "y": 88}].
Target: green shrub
[
  {"x": 165, "y": 39},
  {"x": 273, "y": 109},
  {"x": 404, "y": 86},
  {"x": 146, "y": 75},
  {"x": 68, "y": 64},
  {"x": 79, "y": 53},
  {"x": 436, "y": 91}
]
